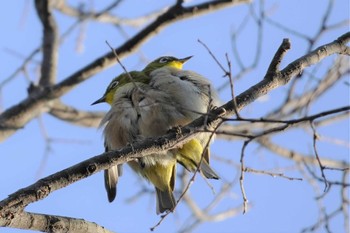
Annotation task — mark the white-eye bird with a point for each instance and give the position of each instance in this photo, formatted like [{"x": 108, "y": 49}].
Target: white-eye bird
[
  {"x": 111, "y": 175},
  {"x": 160, "y": 97},
  {"x": 192, "y": 95},
  {"x": 130, "y": 102}
]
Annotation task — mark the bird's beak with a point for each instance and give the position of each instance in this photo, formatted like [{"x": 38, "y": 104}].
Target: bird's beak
[
  {"x": 100, "y": 100},
  {"x": 183, "y": 60}
]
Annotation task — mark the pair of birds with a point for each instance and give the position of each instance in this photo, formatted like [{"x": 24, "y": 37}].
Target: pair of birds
[{"x": 149, "y": 103}]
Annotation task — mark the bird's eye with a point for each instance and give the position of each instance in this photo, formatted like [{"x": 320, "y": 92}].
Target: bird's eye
[
  {"x": 113, "y": 84},
  {"x": 164, "y": 60}
]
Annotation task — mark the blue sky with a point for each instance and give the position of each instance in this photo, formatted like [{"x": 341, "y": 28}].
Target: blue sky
[{"x": 278, "y": 205}]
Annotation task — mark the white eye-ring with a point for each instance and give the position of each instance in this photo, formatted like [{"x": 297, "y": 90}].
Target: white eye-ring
[
  {"x": 113, "y": 84},
  {"x": 163, "y": 60}
]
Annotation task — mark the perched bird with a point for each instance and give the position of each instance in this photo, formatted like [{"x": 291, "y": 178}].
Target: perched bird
[
  {"x": 155, "y": 100},
  {"x": 192, "y": 95},
  {"x": 111, "y": 175},
  {"x": 130, "y": 102}
]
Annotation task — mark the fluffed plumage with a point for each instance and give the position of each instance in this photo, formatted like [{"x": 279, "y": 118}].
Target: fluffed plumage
[
  {"x": 122, "y": 123},
  {"x": 192, "y": 95},
  {"x": 157, "y": 99}
]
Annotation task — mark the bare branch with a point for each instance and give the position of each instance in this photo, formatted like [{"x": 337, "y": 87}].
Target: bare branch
[
  {"x": 52, "y": 223},
  {"x": 245, "y": 69},
  {"x": 345, "y": 201},
  {"x": 227, "y": 73},
  {"x": 299, "y": 120},
  {"x": 299, "y": 157},
  {"x": 241, "y": 178},
  {"x": 17, "y": 201},
  {"x": 329, "y": 183},
  {"x": 277, "y": 59},
  {"x": 104, "y": 16},
  {"x": 315, "y": 137},
  {"x": 214, "y": 57},
  {"x": 19, "y": 69},
  {"x": 337, "y": 71},
  {"x": 201, "y": 215},
  {"x": 271, "y": 82},
  {"x": 273, "y": 174},
  {"x": 18, "y": 115},
  {"x": 49, "y": 45},
  {"x": 75, "y": 116}
]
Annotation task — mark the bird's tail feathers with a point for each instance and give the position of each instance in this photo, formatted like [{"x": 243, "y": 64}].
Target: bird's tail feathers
[
  {"x": 207, "y": 171},
  {"x": 111, "y": 179},
  {"x": 165, "y": 201}
]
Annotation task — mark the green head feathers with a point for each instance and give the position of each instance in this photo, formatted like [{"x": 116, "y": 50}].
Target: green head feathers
[
  {"x": 139, "y": 76},
  {"x": 120, "y": 81},
  {"x": 165, "y": 61}
]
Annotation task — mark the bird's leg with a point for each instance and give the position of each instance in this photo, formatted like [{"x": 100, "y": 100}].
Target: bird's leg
[
  {"x": 139, "y": 160},
  {"x": 216, "y": 108},
  {"x": 177, "y": 130}
]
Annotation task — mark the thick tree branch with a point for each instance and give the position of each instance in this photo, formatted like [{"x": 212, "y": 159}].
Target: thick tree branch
[
  {"x": 336, "y": 72},
  {"x": 298, "y": 157},
  {"x": 17, "y": 201},
  {"x": 104, "y": 16},
  {"x": 53, "y": 223},
  {"x": 50, "y": 43},
  {"x": 338, "y": 69},
  {"x": 277, "y": 59},
  {"x": 75, "y": 116},
  {"x": 273, "y": 80},
  {"x": 18, "y": 115}
]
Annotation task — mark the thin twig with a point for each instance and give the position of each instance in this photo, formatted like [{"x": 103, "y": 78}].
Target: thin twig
[
  {"x": 213, "y": 56},
  {"x": 190, "y": 182},
  {"x": 295, "y": 121},
  {"x": 227, "y": 73},
  {"x": 273, "y": 174},
  {"x": 120, "y": 63},
  {"x": 241, "y": 178},
  {"x": 232, "y": 87},
  {"x": 315, "y": 137}
]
